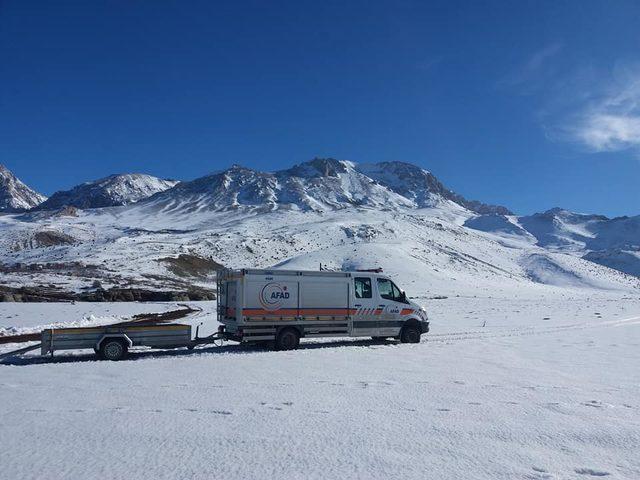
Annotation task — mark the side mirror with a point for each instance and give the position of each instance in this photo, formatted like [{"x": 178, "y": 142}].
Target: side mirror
[{"x": 403, "y": 297}]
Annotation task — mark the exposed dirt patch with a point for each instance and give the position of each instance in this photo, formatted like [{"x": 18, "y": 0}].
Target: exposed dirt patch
[
  {"x": 187, "y": 265},
  {"x": 50, "y": 238},
  {"x": 42, "y": 239},
  {"x": 42, "y": 293}
]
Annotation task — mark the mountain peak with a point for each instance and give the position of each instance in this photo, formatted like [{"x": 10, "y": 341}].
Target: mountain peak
[
  {"x": 112, "y": 190},
  {"x": 15, "y": 196},
  {"x": 421, "y": 186},
  {"x": 319, "y": 184},
  {"x": 318, "y": 167}
]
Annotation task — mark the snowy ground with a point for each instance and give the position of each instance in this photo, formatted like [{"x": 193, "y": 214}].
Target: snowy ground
[{"x": 549, "y": 388}]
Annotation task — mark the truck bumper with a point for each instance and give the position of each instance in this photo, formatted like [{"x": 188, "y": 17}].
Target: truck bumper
[{"x": 424, "y": 327}]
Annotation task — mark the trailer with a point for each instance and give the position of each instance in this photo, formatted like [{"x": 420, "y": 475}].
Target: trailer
[
  {"x": 113, "y": 342},
  {"x": 280, "y": 307}
]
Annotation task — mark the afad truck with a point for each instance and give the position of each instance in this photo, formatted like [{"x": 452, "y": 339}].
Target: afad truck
[{"x": 282, "y": 306}]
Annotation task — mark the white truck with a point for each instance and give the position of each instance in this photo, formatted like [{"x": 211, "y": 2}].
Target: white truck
[{"x": 282, "y": 306}]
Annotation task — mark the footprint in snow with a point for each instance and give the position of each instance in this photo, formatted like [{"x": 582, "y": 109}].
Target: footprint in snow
[{"x": 592, "y": 472}]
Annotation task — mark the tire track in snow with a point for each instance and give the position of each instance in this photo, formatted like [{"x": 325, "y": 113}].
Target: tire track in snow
[{"x": 527, "y": 331}]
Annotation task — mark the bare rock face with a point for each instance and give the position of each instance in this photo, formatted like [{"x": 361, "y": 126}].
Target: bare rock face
[{"x": 15, "y": 196}]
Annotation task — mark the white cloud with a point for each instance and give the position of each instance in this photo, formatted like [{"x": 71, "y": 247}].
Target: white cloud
[
  {"x": 611, "y": 120},
  {"x": 605, "y": 132}
]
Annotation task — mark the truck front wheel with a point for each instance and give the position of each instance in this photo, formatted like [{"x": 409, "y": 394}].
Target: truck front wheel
[
  {"x": 288, "y": 339},
  {"x": 410, "y": 334}
]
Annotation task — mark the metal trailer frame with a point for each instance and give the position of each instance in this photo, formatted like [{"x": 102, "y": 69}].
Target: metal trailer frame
[
  {"x": 155, "y": 336},
  {"x": 160, "y": 336}
]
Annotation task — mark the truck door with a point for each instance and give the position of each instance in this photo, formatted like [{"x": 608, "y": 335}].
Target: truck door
[
  {"x": 392, "y": 303},
  {"x": 365, "y": 305}
]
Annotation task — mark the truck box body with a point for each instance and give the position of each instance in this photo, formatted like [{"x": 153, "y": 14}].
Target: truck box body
[{"x": 255, "y": 304}]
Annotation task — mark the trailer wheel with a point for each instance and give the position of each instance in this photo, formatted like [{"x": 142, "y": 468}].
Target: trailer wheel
[
  {"x": 410, "y": 334},
  {"x": 288, "y": 339},
  {"x": 115, "y": 349}
]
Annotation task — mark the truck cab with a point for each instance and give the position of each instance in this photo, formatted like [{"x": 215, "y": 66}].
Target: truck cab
[{"x": 382, "y": 309}]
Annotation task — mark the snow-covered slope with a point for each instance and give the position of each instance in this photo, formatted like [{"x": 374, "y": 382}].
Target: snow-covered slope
[
  {"x": 611, "y": 242},
  {"x": 15, "y": 196},
  {"x": 424, "y": 249},
  {"x": 110, "y": 191}
]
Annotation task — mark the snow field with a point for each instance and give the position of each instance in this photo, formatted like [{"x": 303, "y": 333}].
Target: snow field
[{"x": 547, "y": 389}]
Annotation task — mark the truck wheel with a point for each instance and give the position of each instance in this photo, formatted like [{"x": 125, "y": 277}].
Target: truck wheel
[
  {"x": 288, "y": 339},
  {"x": 410, "y": 334},
  {"x": 115, "y": 349}
]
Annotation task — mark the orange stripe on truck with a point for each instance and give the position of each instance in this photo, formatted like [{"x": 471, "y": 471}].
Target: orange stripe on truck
[
  {"x": 319, "y": 311},
  {"x": 301, "y": 311}
]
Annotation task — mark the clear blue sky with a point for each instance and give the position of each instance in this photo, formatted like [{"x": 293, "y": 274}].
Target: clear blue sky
[{"x": 526, "y": 104}]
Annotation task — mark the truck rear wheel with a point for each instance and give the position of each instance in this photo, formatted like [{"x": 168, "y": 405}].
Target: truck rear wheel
[
  {"x": 410, "y": 334},
  {"x": 115, "y": 349},
  {"x": 288, "y": 339}
]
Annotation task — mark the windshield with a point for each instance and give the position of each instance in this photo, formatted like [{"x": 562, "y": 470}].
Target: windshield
[{"x": 389, "y": 291}]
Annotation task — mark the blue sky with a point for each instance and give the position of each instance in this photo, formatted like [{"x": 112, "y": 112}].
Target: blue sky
[{"x": 526, "y": 104}]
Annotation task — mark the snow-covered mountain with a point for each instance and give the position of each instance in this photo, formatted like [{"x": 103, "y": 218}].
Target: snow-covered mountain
[
  {"x": 114, "y": 190},
  {"x": 338, "y": 213},
  {"x": 321, "y": 184},
  {"x": 614, "y": 242},
  {"x": 15, "y": 196}
]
